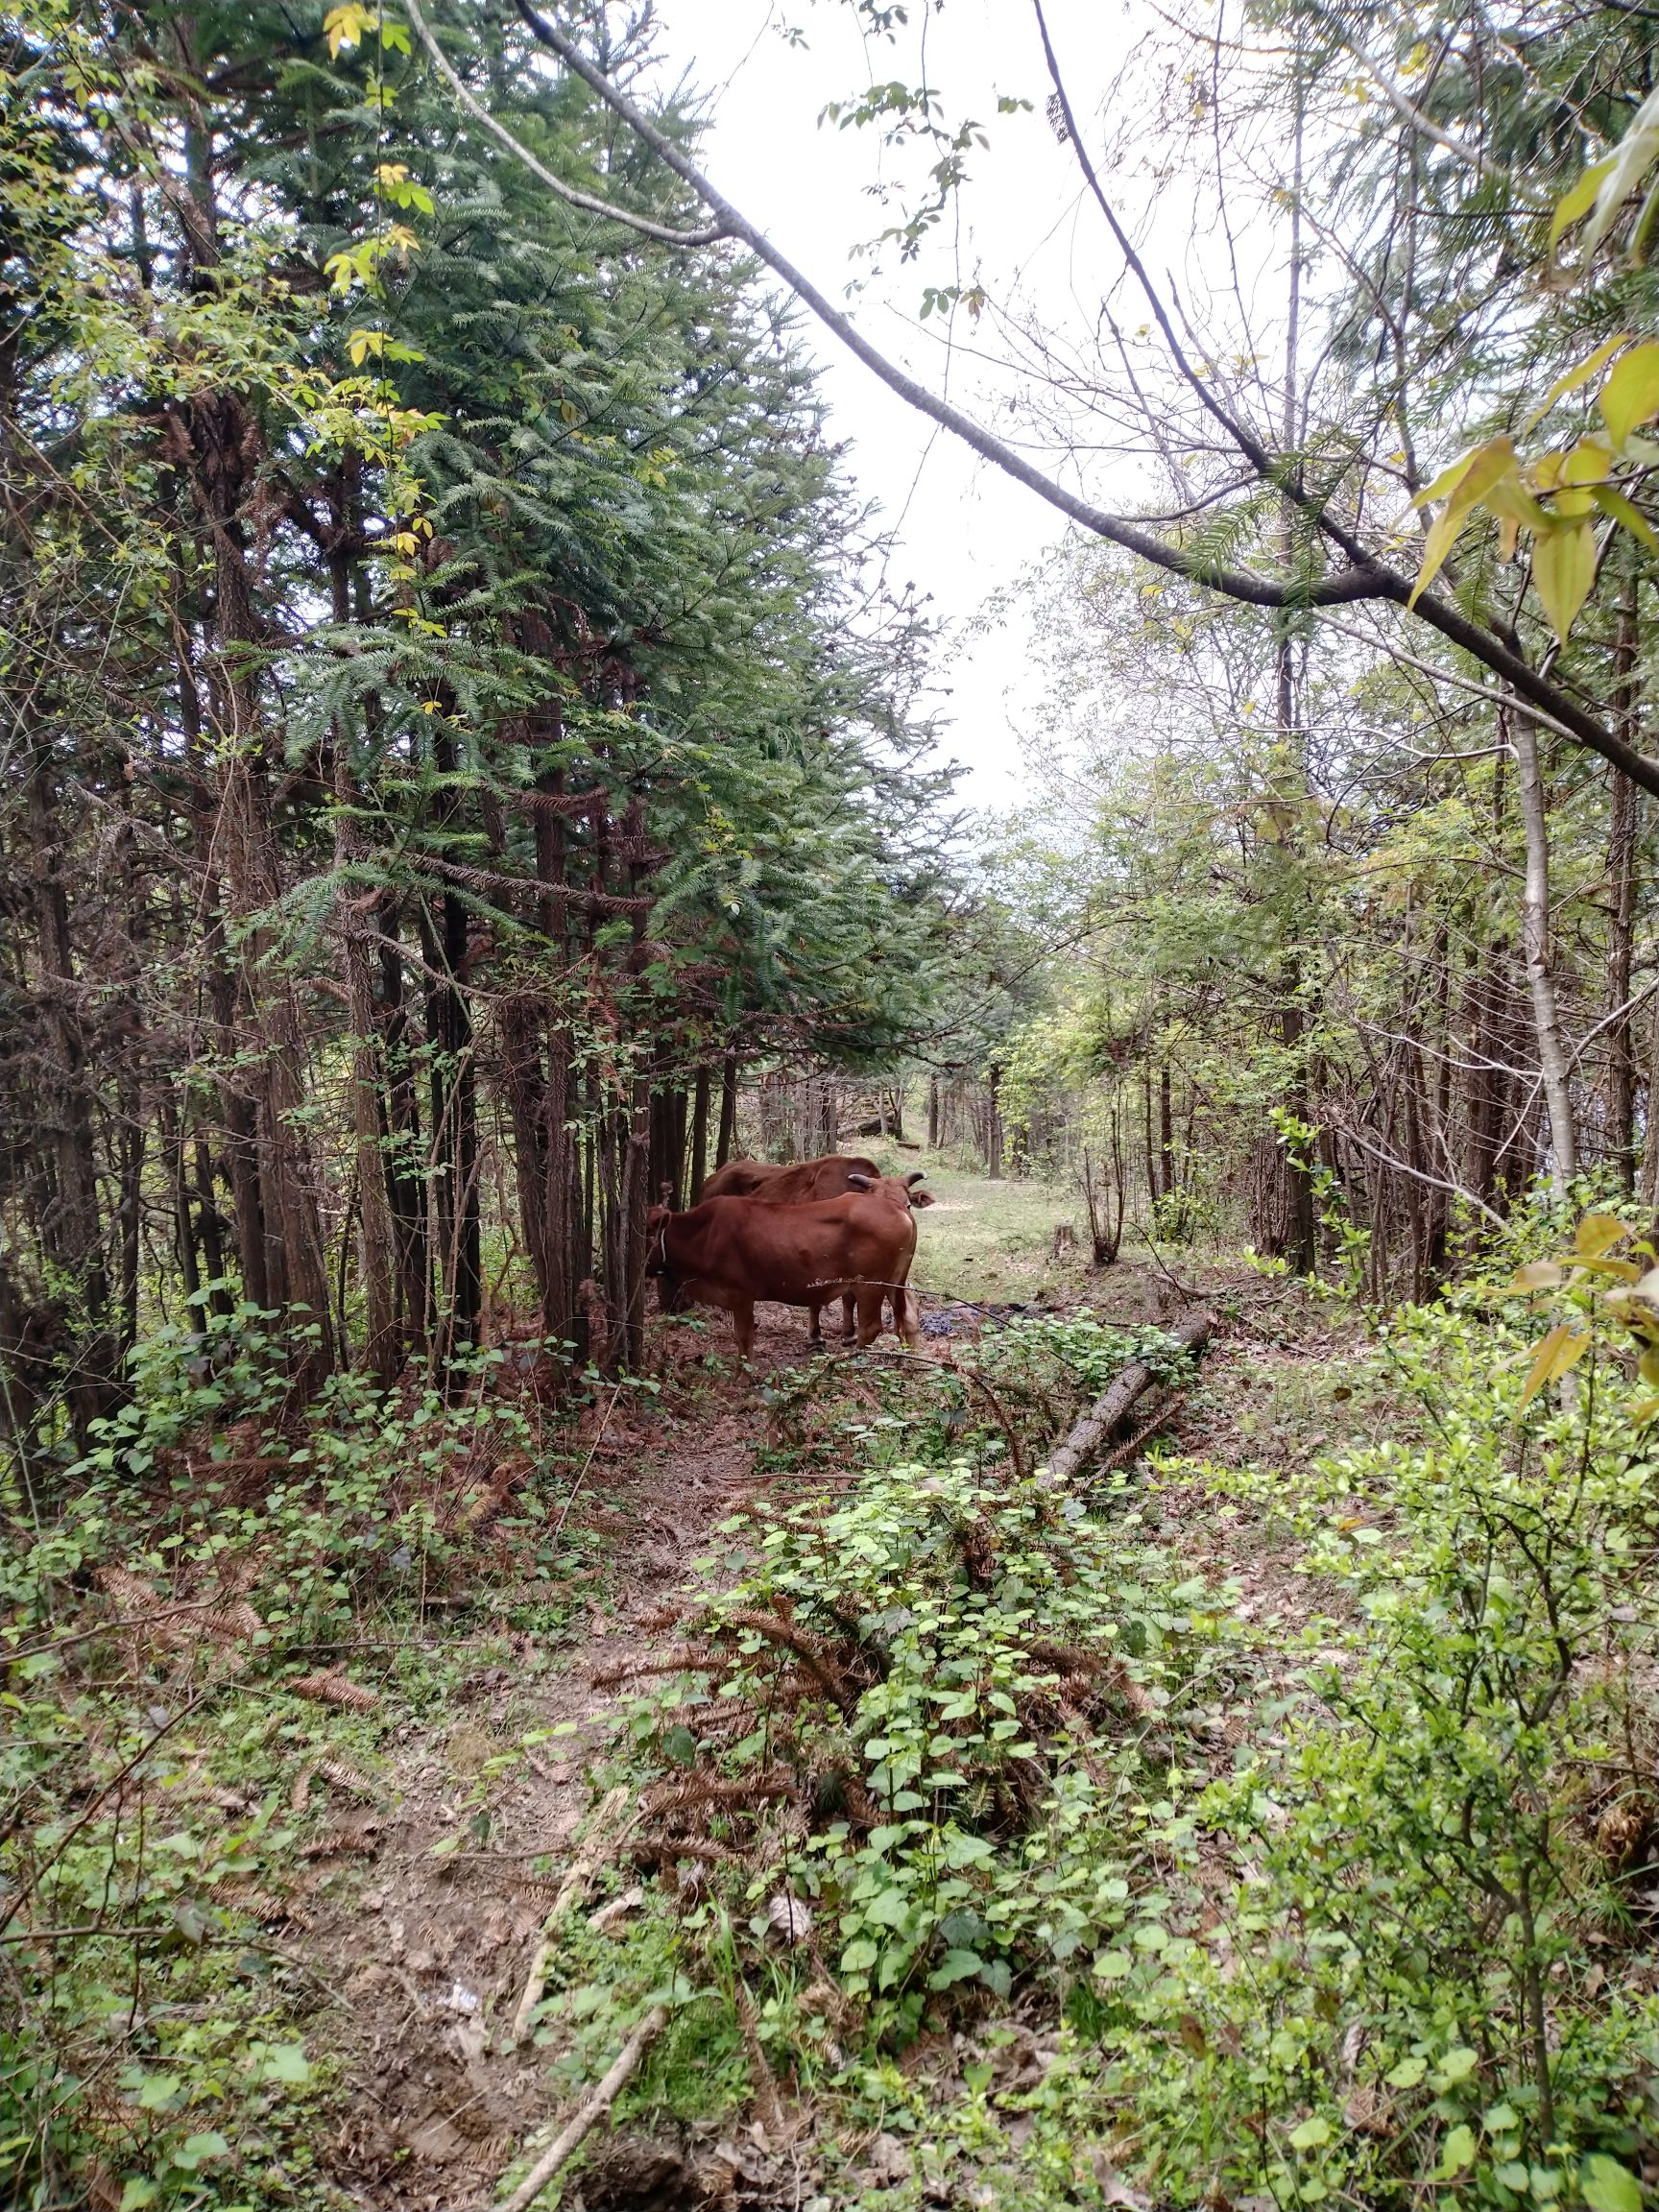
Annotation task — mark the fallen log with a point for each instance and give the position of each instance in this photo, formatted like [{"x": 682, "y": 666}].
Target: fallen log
[
  {"x": 597, "y": 2103},
  {"x": 583, "y": 1869},
  {"x": 1192, "y": 1333}
]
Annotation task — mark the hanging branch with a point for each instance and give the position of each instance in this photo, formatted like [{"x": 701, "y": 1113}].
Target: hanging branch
[{"x": 1365, "y": 577}]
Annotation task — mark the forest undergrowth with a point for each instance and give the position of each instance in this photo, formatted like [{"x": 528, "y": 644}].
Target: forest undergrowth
[{"x": 1268, "y": 1820}]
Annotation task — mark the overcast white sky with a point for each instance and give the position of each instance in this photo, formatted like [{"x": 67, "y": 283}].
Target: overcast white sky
[{"x": 964, "y": 529}]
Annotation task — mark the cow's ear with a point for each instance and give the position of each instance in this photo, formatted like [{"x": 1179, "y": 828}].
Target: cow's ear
[
  {"x": 922, "y": 1198},
  {"x": 859, "y": 1182},
  {"x": 915, "y": 1176}
]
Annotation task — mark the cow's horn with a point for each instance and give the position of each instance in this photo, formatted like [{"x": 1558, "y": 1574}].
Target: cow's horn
[
  {"x": 915, "y": 1176},
  {"x": 857, "y": 1181}
]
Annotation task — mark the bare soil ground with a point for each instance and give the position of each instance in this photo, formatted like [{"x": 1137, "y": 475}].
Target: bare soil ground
[{"x": 429, "y": 1956}]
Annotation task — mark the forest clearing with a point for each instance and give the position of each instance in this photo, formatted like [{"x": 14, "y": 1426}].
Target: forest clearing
[{"x": 742, "y": 1465}]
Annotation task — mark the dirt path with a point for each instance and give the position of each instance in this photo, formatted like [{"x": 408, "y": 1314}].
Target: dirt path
[{"x": 428, "y": 1955}]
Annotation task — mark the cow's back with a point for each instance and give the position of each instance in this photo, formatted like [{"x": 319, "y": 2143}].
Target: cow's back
[{"x": 794, "y": 1185}]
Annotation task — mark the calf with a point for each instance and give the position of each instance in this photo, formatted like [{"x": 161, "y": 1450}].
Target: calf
[{"x": 729, "y": 1252}]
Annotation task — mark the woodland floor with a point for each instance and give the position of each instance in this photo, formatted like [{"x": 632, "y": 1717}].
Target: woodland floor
[{"x": 422, "y": 1959}]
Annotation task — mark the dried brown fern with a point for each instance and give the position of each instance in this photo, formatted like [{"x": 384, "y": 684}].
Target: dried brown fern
[
  {"x": 258, "y": 1905},
  {"x": 476, "y": 1515},
  {"x": 235, "y": 1621},
  {"x": 145, "y": 1612},
  {"x": 356, "y": 1834},
  {"x": 327, "y": 1687},
  {"x": 669, "y": 1799},
  {"x": 813, "y": 1655},
  {"x": 679, "y": 1658},
  {"x": 664, "y": 1850},
  {"x": 354, "y": 1783},
  {"x": 532, "y": 1889}
]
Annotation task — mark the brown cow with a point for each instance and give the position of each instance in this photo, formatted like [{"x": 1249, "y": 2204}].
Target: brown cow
[
  {"x": 729, "y": 1252},
  {"x": 793, "y": 1182},
  {"x": 796, "y": 1183}
]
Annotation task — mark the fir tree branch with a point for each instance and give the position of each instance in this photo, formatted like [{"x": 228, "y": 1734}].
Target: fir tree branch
[{"x": 664, "y": 233}]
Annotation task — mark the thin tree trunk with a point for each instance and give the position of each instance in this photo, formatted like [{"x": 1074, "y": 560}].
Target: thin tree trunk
[
  {"x": 1165, "y": 1132},
  {"x": 221, "y": 437},
  {"x": 1649, "y": 1183},
  {"x": 1554, "y": 1060},
  {"x": 1292, "y": 1028},
  {"x": 71, "y": 1222},
  {"x": 382, "y": 1351},
  {"x": 728, "y": 1142},
  {"x": 400, "y": 1138},
  {"x": 699, "y": 1135},
  {"x": 1622, "y": 917}
]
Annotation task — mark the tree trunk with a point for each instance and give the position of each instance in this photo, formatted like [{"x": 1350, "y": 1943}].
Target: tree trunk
[
  {"x": 454, "y": 1134},
  {"x": 400, "y": 1138},
  {"x": 727, "y": 1140},
  {"x": 1621, "y": 915},
  {"x": 1554, "y": 1060},
  {"x": 382, "y": 1350},
  {"x": 1165, "y": 1132},
  {"x": 699, "y": 1136},
  {"x": 1297, "y": 1204},
  {"x": 71, "y": 1223},
  {"x": 221, "y": 439}
]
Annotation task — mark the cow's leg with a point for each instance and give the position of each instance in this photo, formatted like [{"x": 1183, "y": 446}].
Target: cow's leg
[
  {"x": 870, "y": 1297},
  {"x": 848, "y": 1325},
  {"x": 906, "y": 1324},
  {"x": 814, "y": 1328},
  {"x": 743, "y": 1324}
]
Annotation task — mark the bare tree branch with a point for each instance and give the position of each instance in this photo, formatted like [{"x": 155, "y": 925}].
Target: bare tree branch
[{"x": 1365, "y": 578}]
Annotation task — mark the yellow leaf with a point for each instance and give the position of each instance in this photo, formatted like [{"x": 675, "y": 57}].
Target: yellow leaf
[
  {"x": 1631, "y": 517},
  {"x": 1488, "y": 465},
  {"x": 1647, "y": 1366},
  {"x": 1643, "y": 1410},
  {"x": 1598, "y": 1233},
  {"x": 345, "y": 26},
  {"x": 1449, "y": 476},
  {"x": 1511, "y": 498},
  {"x": 1589, "y": 462},
  {"x": 1563, "y": 1348},
  {"x": 1631, "y": 159},
  {"x": 1540, "y": 1275},
  {"x": 1578, "y": 203},
  {"x": 1631, "y": 395},
  {"x": 1585, "y": 369},
  {"x": 1563, "y": 570}
]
